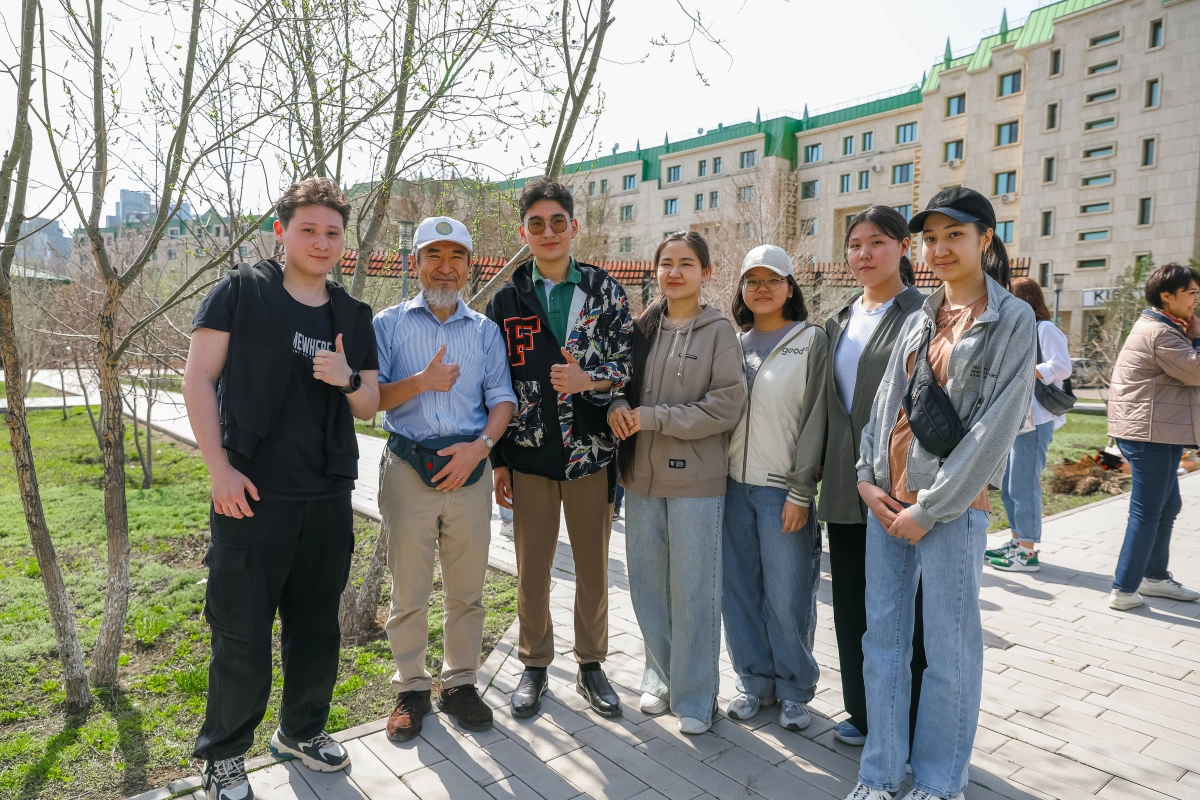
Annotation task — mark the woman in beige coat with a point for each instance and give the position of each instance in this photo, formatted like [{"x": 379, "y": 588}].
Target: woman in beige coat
[{"x": 1153, "y": 413}]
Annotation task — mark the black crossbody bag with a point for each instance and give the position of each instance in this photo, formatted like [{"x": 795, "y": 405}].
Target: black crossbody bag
[
  {"x": 1055, "y": 400},
  {"x": 931, "y": 415}
]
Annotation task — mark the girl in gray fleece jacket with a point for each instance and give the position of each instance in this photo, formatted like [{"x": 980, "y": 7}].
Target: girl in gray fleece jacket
[
  {"x": 674, "y": 418},
  {"x": 928, "y": 516}
]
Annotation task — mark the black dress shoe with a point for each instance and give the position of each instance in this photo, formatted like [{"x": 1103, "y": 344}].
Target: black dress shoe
[
  {"x": 527, "y": 698},
  {"x": 594, "y": 685}
]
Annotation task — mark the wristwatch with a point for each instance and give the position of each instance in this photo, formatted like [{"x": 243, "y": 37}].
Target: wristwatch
[
  {"x": 354, "y": 385},
  {"x": 487, "y": 440}
]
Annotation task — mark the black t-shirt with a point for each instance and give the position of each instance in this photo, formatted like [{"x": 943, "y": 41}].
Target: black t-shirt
[{"x": 289, "y": 463}]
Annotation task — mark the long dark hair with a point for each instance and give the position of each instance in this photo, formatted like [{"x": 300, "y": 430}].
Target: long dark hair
[
  {"x": 894, "y": 226},
  {"x": 645, "y": 328},
  {"x": 793, "y": 308},
  {"x": 1027, "y": 289},
  {"x": 995, "y": 258}
]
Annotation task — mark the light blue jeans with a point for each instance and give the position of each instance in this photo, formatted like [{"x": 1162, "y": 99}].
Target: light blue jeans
[
  {"x": 947, "y": 560},
  {"x": 1022, "y": 485},
  {"x": 769, "y": 594},
  {"x": 673, "y": 550}
]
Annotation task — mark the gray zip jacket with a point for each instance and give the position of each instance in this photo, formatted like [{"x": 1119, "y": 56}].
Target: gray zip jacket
[{"x": 990, "y": 382}]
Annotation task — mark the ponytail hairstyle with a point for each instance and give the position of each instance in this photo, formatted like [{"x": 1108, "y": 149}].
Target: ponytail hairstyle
[
  {"x": 995, "y": 258},
  {"x": 894, "y": 226},
  {"x": 645, "y": 328}
]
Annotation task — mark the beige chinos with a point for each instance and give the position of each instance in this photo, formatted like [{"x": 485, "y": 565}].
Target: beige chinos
[{"x": 419, "y": 521}]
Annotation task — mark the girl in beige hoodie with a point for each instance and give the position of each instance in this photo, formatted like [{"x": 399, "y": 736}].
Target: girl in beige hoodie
[{"x": 674, "y": 418}]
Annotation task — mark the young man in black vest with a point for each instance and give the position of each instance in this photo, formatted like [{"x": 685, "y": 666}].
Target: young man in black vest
[{"x": 281, "y": 360}]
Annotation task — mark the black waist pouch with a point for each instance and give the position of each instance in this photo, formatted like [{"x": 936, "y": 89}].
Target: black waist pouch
[
  {"x": 931, "y": 415},
  {"x": 423, "y": 456}
]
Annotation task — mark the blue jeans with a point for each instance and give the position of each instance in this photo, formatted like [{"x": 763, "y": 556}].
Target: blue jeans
[
  {"x": 1022, "y": 486},
  {"x": 947, "y": 562},
  {"x": 1153, "y": 506},
  {"x": 769, "y": 594},
  {"x": 673, "y": 550}
]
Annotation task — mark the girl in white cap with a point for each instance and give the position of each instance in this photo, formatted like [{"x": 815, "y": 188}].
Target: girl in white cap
[{"x": 771, "y": 543}]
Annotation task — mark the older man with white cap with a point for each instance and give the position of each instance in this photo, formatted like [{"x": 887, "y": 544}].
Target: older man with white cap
[{"x": 447, "y": 397}]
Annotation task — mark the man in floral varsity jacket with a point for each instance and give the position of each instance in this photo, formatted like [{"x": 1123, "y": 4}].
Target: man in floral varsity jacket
[{"x": 568, "y": 332}]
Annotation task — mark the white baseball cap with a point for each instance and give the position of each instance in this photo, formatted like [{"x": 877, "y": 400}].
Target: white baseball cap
[
  {"x": 769, "y": 256},
  {"x": 441, "y": 229}
]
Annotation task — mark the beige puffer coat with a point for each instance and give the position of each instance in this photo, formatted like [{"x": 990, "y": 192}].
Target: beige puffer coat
[{"x": 1155, "y": 392}]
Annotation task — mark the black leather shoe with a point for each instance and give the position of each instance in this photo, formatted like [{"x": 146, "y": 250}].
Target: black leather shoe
[
  {"x": 595, "y": 687},
  {"x": 527, "y": 697}
]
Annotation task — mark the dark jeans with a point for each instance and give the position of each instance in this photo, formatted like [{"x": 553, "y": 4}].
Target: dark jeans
[
  {"x": 292, "y": 556},
  {"x": 1153, "y": 506},
  {"x": 848, "y": 571}
]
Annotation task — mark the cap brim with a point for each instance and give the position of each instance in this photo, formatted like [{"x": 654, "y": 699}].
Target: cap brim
[
  {"x": 780, "y": 272},
  {"x": 917, "y": 223}
]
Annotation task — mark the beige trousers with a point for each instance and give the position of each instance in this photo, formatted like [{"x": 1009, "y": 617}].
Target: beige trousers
[{"x": 419, "y": 520}]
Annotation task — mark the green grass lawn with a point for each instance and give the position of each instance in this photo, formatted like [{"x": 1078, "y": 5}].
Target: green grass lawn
[
  {"x": 141, "y": 736},
  {"x": 38, "y": 390},
  {"x": 375, "y": 429}
]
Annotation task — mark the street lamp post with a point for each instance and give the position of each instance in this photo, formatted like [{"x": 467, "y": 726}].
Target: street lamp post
[
  {"x": 406, "y": 236},
  {"x": 1059, "y": 277}
]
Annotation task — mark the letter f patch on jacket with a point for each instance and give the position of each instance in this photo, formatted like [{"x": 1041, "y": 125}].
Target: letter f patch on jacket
[{"x": 518, "y": 333}]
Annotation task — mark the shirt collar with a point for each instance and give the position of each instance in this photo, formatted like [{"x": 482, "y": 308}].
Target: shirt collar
[
  {"x": 460, "y": 310},
  {"x": 573, "y": 275}
]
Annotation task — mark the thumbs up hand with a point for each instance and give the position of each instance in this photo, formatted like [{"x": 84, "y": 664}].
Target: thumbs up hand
[
  {"x": 438, "y": 376},
  {"x": 569, "y": 378},
  {"x": 330, "y": 365}
]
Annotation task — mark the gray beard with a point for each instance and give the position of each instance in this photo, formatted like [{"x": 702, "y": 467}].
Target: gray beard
[{"x": 441, "y": 298}]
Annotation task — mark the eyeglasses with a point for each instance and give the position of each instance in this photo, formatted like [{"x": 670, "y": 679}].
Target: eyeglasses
[
  {"x": 537, "y": 225},
  {"x": 770, "y": 284}
]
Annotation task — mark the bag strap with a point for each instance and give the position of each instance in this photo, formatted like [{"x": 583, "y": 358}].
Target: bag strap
[{"x": 1037, "y": 342}]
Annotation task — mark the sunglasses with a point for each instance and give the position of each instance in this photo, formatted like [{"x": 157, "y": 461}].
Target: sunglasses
[{"x": 537, "y": 225}]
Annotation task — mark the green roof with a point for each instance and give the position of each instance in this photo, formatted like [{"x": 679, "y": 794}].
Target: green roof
[{"x": 912, "y": 97}]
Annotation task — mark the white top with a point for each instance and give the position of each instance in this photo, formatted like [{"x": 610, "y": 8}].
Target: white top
[
  {"x": 852, "y": 343},
  {"x": 1055, "y": 368}
]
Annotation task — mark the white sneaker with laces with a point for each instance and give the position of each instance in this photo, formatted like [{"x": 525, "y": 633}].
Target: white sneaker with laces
[
  {"x": 794, "y": 716},
  {"x": 506, "y": 527},
  {"x": 320, "y": 753},
  {"x": 745, "y": 705},
  {"x": 226, "y": 780},
  {"x": 653, "y": 704},
  {"x": 864, "y": 792},
  {"x": 693, "y": 726},
  {"x": 1169, "y": 588},
  {"x": 1123, "y": 601},
  {"x": 921, "y": 794}
]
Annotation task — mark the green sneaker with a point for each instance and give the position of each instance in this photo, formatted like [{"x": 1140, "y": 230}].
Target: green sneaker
[
  {"x": 1004, "y": 551},
  {"x": 1019, "y": 561}
]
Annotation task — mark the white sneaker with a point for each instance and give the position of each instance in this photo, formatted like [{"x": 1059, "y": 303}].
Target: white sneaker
[
  {"x": 1123, "y": 601},
  {"x": 745, "y": 706},
  {"x": 864, "y": 792},
  {"x": 921, "y": 794},
  {"x": 653, "y": 704},
  {"x": 693, "y": 726},
  {"x": 794, "y": 716},
  {"x": 1169, "y": 588},
  {"x": 506, "y": 527}
]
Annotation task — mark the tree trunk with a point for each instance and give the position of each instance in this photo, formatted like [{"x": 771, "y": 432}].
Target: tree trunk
[
  {"x": 69, "y": 653},
  {"x": 116, "y": 513},
  {"x": 358, "y": 606},
  {"x": 87, "y": 403}
]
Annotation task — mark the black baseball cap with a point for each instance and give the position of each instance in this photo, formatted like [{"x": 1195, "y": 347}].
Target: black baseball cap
[{"x": 958, "y": 203}]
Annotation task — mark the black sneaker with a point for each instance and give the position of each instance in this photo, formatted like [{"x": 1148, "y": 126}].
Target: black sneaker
[
  {"x": 226, "y": 780},
  {"x": 320, "y": 753}
]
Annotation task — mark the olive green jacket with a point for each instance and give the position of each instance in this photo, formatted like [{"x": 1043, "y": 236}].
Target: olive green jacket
[{"x": 839, "y": 502}]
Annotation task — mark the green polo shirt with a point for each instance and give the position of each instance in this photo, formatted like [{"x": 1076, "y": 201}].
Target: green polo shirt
[{"x": 558, "y": 305}]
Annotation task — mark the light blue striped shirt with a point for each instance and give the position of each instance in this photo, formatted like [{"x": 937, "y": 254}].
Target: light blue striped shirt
[{"x": 409, "y": 335}]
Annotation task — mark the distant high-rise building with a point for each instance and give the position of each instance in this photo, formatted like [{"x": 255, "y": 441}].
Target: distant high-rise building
[{"x": 42, "y": 242}]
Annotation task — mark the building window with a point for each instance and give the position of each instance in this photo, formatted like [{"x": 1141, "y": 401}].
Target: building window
[
  {"x": 812, "y": 153},
  {"x": 809, "y": 189},
  {"x": 629, "y": 182},
  {"x": 173, "y": 233},
  {"x": 1094, "y": 236},
  {"x": 956, "y": 105},
  {"x": 1149, "y": 156},
  {"x": 953, "y": 150},
  {"x": 844, "y": 183},
  {"x": 217, "y": 231},
  {"x": 712, "y": 199},
  {"x": 904, "y": 210},
  {"x": 626, "y": 213},
  {"x": 1104, "y": 38},
  {"x": 868, "y": 141},
  {"x": 1005, "y": 231},
  {"x": 848, "y": 145},
  {"x": 748, "y": 159},
  {"x": 1104, "y": 68},
  {"x": 1044, "y": 274},
  {"x": 808, "y": 227},
  {"x": 1156, "y": 33},
  {"x": 1103, "y": 179},
  {"x": 1007, "y": 133},
  {"x": 625, "y": 245},
  {"x": 1101, "y": 96},
  {"x": 1056, "y": 63},
  {"x": 1104, "y": 151},
  {"x": 670, "y": 206},
  {"x": 902, "y": 173},
  {"x": 746, "y": 194},
  {"x": 1009, "y": 84},
  {"x": 1049, "y": 169},
  {"x": 171, "y": 255},
  {"x": 1005, "y": 182},
  {"x": 1153, "y": 93},
  {"x": 1051, "y": 116},
  {"x": 906, "y": 133},
  {"x": 1047, "y": 223},
  {"x": 700, "y": 202},
  {"x": 604, "y": 186},
  {"x": 1095, "y": 208},
  {"x": 716, "y": 165},
  {"x": 1100, "y": 124},
  {"x": 1092, "y": 263},
  {"x": 243, "y": 251},
  {"x": 864, "y": 180},
  {"x": 702, "y": 168},
  {"x": 674, "y": 173},
  {"x": 745, "y": 230},
  {"x": 1145, "y": 208}
]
